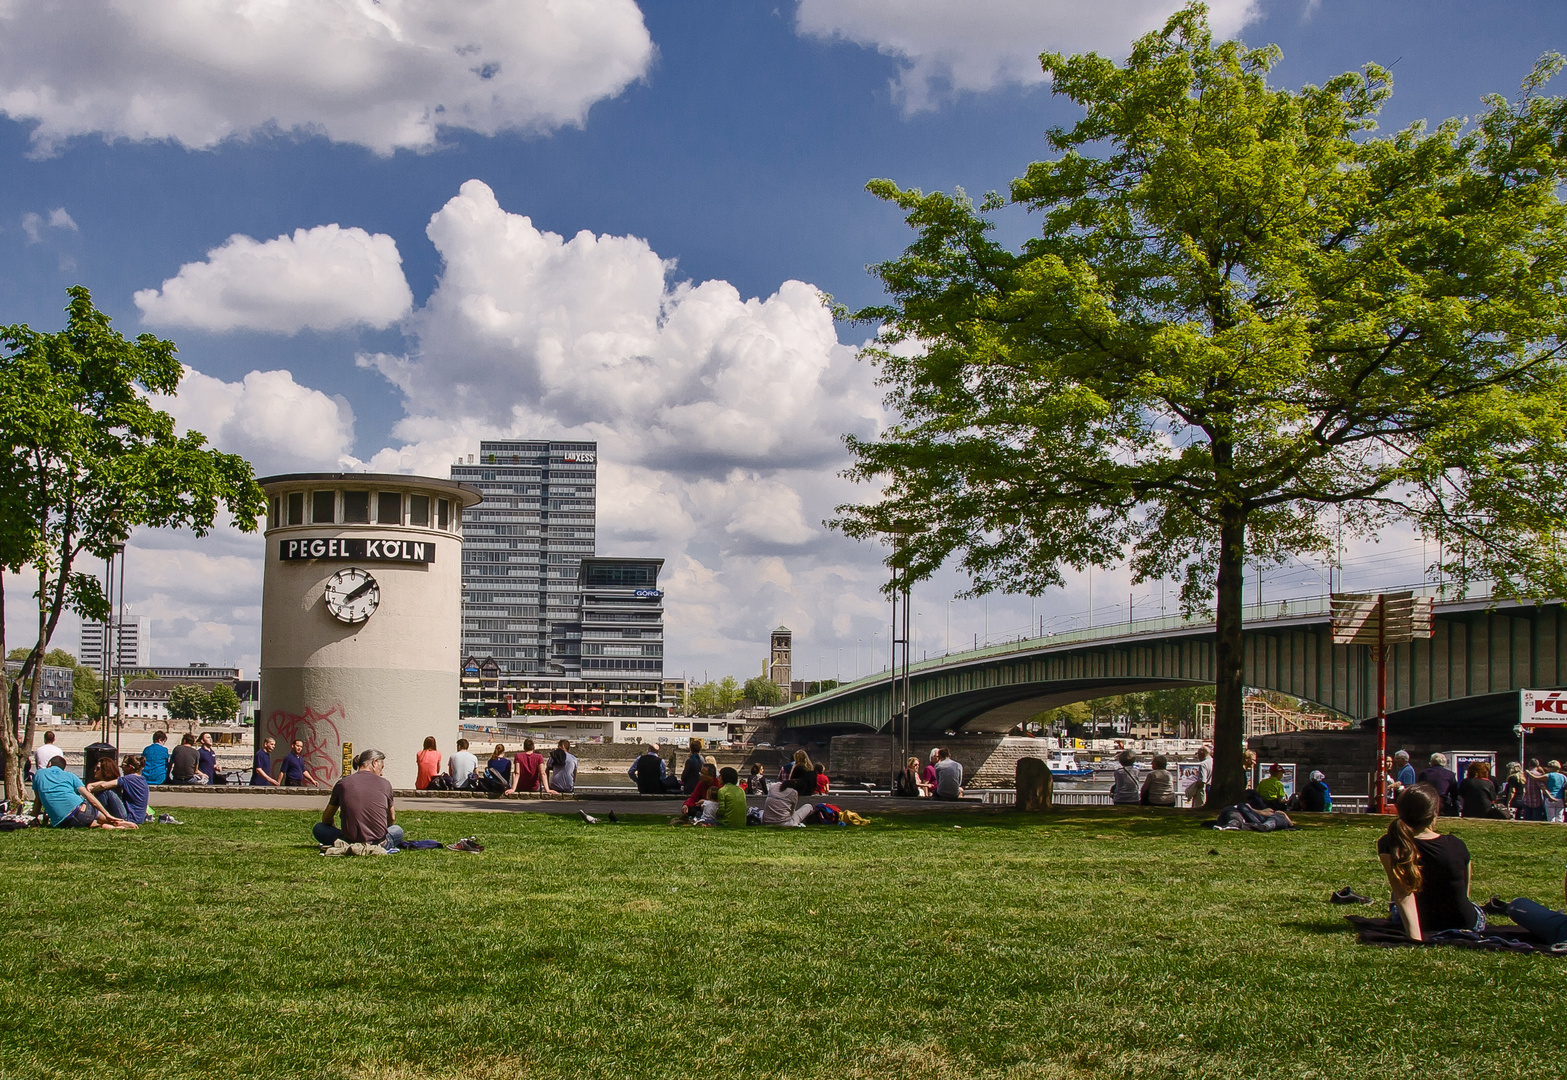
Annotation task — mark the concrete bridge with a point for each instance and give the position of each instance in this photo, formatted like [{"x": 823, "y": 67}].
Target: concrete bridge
[{"x": 1482, "y": 653}]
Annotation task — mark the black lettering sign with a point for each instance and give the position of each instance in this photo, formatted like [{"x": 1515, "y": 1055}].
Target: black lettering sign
[{"x": 353, "y": 547}]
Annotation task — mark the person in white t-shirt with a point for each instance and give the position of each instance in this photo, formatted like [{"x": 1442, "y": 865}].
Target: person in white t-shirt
[
  {"x": 46, "y": 753},
  {"x": 461, "y": 764}
]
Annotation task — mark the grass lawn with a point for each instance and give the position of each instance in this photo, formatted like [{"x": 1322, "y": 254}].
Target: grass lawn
[{"x": 1078, "y": 944}]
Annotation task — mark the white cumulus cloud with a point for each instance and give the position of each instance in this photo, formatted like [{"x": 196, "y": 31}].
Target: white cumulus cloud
[
  {"x": 325, "y": 278},
  {"x": 276, "y": 423},
  {"x": 977, "y": 45},
  {"x": 386, "y": 74}
]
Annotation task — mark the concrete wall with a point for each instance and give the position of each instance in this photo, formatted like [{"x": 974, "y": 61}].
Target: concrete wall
[{"x": 989, "y": 761}]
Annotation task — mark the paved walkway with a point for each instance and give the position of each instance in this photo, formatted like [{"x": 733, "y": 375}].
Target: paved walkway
[{"x": 245, "y": 798}]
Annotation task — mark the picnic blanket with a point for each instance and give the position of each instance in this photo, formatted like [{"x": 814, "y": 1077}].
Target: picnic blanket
[{"x": 1495, "y": 939}]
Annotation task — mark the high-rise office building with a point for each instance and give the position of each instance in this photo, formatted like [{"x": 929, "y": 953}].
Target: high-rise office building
[
  {"x": 521, "y": 550},
  {"x": 556, "y": 640},
  {"x": 132, "y": 644}
]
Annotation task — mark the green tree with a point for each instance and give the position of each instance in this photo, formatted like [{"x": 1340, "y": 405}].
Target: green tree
[
  {"x": 1244, "y": 318},
  {"x": 187, "y": 702},
  {"x": 84, "y": 459},
  {"x": 221, "y": 705},
  {"x": 760, "y": 690}
]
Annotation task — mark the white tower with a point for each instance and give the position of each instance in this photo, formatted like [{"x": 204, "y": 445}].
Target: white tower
[{"x": 361, "y": 615}]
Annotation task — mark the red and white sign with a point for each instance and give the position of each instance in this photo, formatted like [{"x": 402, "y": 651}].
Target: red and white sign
[{"x": 1542, "y": 708}]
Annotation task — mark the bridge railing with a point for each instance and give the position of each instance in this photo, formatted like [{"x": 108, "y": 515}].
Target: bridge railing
[{"x": 1251, "y": 614}]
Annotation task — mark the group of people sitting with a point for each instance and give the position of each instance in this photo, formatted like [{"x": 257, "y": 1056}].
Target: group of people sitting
[
  {"x": 1538, "y": 793},
  {"x": 115, "y": 798},
  {"x": 526, "y": 770},
  {"x": 1429, "y": 874},
  {"x": 941, "y": 777}
]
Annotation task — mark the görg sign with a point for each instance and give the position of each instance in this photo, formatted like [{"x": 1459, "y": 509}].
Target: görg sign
[{"x": 351, "y": 547}]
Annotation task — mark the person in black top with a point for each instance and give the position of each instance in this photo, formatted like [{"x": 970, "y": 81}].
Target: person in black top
[
  {"x": 1477, "y": 795},
  {"x": 1428, "y": 872},
  {"x": 1315, "y": 798}
]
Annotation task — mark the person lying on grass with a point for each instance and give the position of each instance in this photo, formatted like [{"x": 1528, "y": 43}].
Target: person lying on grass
[
  {"x": 65, "y": 801},
  {"x": 1428, "y": 872},
  {"x": 1545, "y": 924}
]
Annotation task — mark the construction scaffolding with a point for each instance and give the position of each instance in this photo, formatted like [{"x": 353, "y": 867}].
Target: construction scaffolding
[{"x": 1265, "y": 718}]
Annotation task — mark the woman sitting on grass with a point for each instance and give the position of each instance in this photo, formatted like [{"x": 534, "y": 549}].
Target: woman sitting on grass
[
  {"x": 908, "y": 784},
  {"x": 1428, "y": 872},
  {"x": 124, "y": 795},
  {"x": 706, "y": 788}
]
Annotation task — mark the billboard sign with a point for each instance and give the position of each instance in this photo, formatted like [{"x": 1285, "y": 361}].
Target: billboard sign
[{"x": 1542, "y": 708}]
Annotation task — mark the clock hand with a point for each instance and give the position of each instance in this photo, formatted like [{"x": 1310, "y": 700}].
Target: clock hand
[{"x": 357, "y": 593}]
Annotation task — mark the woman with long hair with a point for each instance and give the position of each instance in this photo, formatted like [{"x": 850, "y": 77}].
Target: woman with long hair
[
  {"x": 907, "y": 784},
  {"x": 497, "y": 771},
  {"x": 428, "y": 762},
  {"x": 1428, "y": 872},
  {"x": 802, "y": 777}
]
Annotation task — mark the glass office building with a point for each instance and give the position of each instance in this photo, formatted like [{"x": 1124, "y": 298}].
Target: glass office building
[
  {"x": 553, "y": 637},
  {"x": 522, "y": 547}
]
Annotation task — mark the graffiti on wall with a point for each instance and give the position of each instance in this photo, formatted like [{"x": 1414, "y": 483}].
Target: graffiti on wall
[{"x": 318, "y": 731}]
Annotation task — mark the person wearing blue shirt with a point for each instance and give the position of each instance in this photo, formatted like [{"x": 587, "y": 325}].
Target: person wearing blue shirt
[
  {"x": 67, "y": 804},
  {"x": 1404, "y": 771},
  {"x": 207, "y": 757},
  {"x": 156, "y": 771},
  {"x": 261, "y": 770},
  {"x": 1555, "y": 779},
  {"x": 295, "y": 773}
]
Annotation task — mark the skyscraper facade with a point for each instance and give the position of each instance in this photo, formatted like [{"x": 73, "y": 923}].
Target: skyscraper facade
[
  {"x": 132, "y": 641},
  {"x": 521, "y": 551},
  {"x": 556, "y": 640}
]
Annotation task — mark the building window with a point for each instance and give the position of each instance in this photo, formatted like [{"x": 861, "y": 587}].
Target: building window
[
  {"x": 323, "y": 508},
  {"x": 389, "y": 508},
  {"x": 443, "y": 508},
  {"x": 356, "y": 507},
  {"x": 419, "y": 510},
  {"x": 272, "y": 520},
  {"x": 628, "y": 725},
  {"x": 296, "y": 508}
]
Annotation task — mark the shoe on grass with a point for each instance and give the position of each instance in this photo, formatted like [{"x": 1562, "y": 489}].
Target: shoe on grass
[
  {"x": 1346, "y": 895},
  {"x": 169, "y": 819},
  {"x": 468, "y": 843}
]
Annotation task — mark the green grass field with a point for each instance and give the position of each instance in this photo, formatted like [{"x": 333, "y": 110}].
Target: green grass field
[{"x": 1070, "y": 945}]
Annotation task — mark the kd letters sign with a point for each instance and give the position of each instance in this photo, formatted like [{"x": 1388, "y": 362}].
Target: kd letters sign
[{"x": 350, "y": 547}]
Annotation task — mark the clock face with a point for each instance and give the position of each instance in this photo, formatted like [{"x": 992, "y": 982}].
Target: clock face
[{"x": 352, "y": 595}]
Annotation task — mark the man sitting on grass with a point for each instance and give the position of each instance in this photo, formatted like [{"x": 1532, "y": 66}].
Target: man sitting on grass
[
  {"x": 365, "y": 799},
  {"x": 949, "y": 776},
  {"x": 66, "y": 802}
]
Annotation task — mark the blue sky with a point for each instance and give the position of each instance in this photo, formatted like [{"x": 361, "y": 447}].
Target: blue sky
[{"x": 728, "y": 142}]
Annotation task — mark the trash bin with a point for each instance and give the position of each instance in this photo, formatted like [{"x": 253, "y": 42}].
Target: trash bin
[{"x": 91, "y": 755}]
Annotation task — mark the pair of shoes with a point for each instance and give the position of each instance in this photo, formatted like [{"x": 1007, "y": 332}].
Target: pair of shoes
[
  {"x": 1346, "y": 895},
  {"x": 467, "y": 843},
  {"x": 1495, "y": 906},
  {"x": 169, "y": 819}
]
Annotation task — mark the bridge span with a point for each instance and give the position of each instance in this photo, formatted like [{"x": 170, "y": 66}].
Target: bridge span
[{"x": 1483, "y": 651}]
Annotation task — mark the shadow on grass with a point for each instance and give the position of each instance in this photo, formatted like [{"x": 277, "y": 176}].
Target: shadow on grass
[{"x": 1327, "y": 929}]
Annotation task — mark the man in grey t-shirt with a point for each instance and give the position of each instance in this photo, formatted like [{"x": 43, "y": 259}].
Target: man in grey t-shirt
[
  {"x": 364, "y": 798},
  {"x": 949, "y": 776},
  {"x": 460, "y": 765}
]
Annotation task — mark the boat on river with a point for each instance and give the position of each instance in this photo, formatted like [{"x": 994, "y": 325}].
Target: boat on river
[{"x": 1063, "y": 766}]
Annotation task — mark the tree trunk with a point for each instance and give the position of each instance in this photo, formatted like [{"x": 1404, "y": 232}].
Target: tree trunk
[
  {"x": 10, "y": 748},
  {"x": 1229, "y": 718}
]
